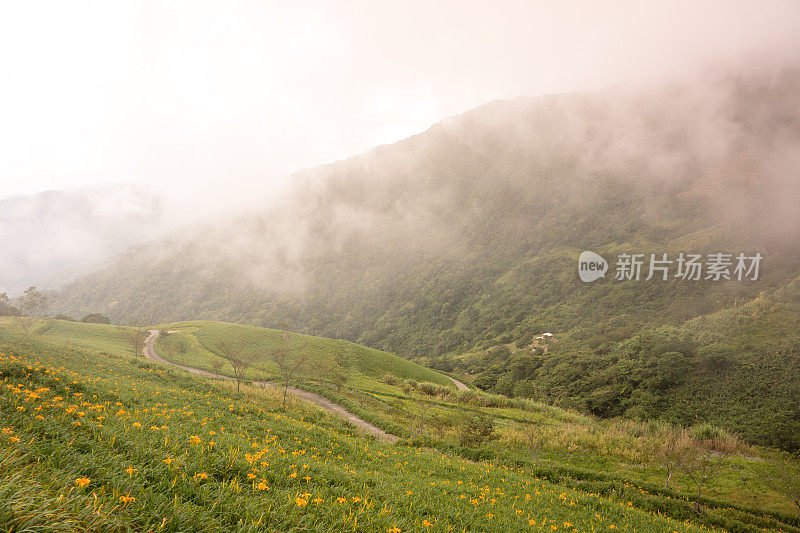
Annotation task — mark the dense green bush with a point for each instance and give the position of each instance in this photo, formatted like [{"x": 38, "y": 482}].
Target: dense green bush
[
  {"x": 96, "y": 318},
  {"x": 477, "y": 429}
]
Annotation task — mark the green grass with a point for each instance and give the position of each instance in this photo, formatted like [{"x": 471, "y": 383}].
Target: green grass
[
  {"x": 566, "y": 439},
  {"x": 164, "y": 451},
  {"x": 95, "y": 337},
  {"x": 601, "y": 465},
  {"x": 204, "y": 339}
]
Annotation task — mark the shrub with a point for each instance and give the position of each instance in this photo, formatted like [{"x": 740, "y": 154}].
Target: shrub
[
  {"x": 706, "y": 432},
  {"x": 432, "y": 389},
  {"x": 485, "y": 381},
  {"x": 477, "y": 429},
  {"x": 96, "y": 318},
  {"x": 390, "y": 379}
]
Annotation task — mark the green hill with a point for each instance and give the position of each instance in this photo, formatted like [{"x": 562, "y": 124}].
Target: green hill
[
  {"x": 104, "y": 440},
  {"x": 198, "y": 343}
]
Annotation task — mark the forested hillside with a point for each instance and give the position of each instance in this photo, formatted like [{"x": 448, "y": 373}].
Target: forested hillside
[{"x": 459, "y": 245}]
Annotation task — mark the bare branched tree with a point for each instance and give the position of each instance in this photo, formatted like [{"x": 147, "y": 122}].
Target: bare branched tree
[
  {"x": 174, "y": 343},
  {"x": 239, "y": 359},
  {"x": 217, "y": 365},
  {"x": 340, "y": 371},
  {"x": 700, "y": 466},
  {"x": 783, "y": 476},
  {"x": 288, "y": 366},
  {"x": 135, "y": 335},
  {"x": 667, "y": 450}
]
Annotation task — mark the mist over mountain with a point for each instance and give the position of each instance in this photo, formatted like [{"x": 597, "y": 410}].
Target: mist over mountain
[
  {"x": 458, "y": 245},
  {"x": 505, "y": 182},
  {"x": 52, "y": 237}
]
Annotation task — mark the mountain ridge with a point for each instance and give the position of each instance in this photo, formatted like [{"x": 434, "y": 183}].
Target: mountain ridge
[{"x": 404, "y": 248}]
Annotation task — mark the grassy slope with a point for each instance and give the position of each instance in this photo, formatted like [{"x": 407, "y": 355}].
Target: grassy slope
[
  {"x": 564, "y": 439},
  {"x": 577, "y": 450},
  {"x": 94, "y": 337},
  {"x": 204, "y": 338},
  {"x": 163, "y": 451}
]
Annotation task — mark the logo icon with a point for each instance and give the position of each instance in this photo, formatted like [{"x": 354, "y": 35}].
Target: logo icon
[{"x": 591, "y": 266}]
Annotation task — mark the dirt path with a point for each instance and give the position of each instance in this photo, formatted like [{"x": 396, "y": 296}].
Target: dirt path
[
  {"x": 459, "y": 385},
  {"x": 149, "y": 351}
]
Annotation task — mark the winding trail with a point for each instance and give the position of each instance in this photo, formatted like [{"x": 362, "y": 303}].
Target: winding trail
[
  {"x": 149, "y": 351},
  {"x": 459, "y": 385}
]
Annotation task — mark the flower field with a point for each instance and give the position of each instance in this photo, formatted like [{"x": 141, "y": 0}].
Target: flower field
[{"x": 93, "y": 441}]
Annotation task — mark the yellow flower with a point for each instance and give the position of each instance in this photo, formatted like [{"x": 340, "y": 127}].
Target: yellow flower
[
  {"x": 262, "y": 486},
  {"x": 194, "y": 439},
  {"x": 341, "y": 500},
  {"x": 201, "y": 475},
  {"x": 127, "y": 499},
  {"x": 168, "y": 460},
  {"x": 409, "y": 492},
  {"x": 301, "y": 502},
  {"x": 318, "y": 500},
  {"x": 130, "y": 470},
  {"x": 425, "y": 523},
  {"x": 293, "y": 474},
  {"x": 82, "y": 481},
  {"x": 532, "y": 522},
  {"x": 251, "y": 475},
  {"x": 394, "y": 529}
]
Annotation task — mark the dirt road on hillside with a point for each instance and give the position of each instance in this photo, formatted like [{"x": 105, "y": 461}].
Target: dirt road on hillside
[
  {"x": 149, "y": 352},
  {"x": 459, "y": 385}
]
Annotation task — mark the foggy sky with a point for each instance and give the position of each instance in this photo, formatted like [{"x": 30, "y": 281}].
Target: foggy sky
[{"x": 195, "y": 97}]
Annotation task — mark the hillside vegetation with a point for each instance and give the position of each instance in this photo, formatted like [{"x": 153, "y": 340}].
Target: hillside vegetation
[
  {"x": 456, "y": 247},
  {"x": 199, "y": 343},
  {"x": 106, "y": 440},
  {"x": 737, "y": 367}
]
